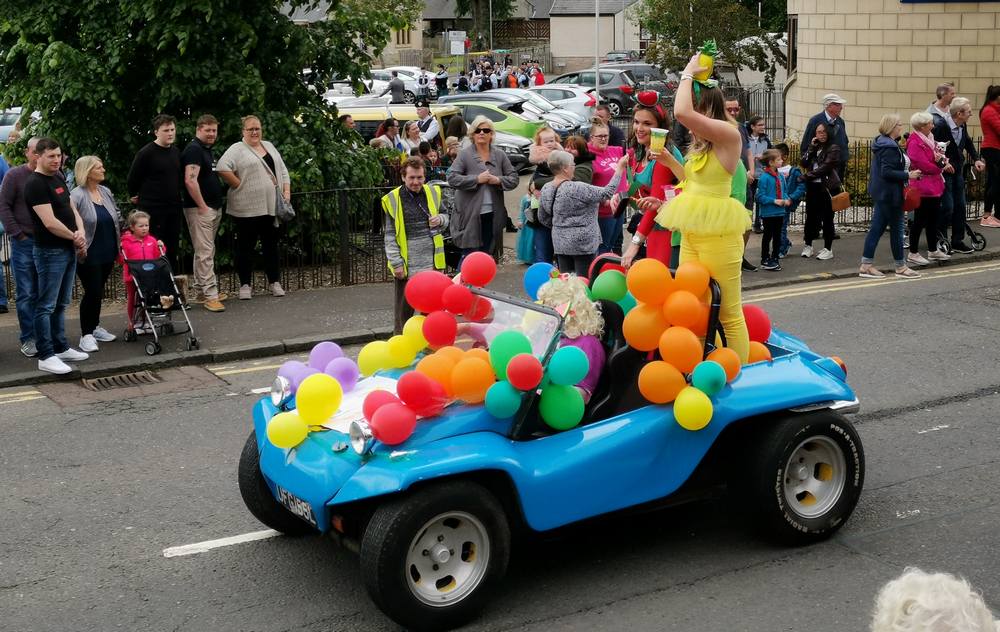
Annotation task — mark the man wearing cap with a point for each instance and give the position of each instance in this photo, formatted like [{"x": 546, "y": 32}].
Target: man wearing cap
[
  {"x": 833, "y": 104},
  {"x": 427, "y": 123}
]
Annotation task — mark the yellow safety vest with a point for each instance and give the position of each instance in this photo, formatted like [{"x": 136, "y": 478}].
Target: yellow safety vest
[{"x": 392, "y": 205}]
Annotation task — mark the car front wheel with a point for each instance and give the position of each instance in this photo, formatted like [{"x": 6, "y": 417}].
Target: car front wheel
[
  {"x": 409, "y": 97},
  {"x": 430, "y": 559},
  {"x": 803, "y": 479},
  {"x": 258, "y": 498},
  {"x": 615, "y": 108}
]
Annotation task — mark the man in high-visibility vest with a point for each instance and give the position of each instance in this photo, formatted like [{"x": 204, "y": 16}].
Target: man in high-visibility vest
[{"x": 413, "y": 232}]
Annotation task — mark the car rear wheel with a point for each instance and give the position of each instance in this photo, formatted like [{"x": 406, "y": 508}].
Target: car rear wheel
[
  {"x": 409, "y": 97},
  {"x": 430, "y": 559},
  {"x": 803, "y": 478},
  {"x": 258, "y": 498},
  {"x": 615, "y": 108}
]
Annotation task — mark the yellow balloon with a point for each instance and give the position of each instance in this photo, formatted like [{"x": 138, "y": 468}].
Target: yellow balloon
[
  {"x": 692, "y": 409},
  {"x": 374, "y": 356},
  {"x": 401, "y": 351},
  {"x": 318, "y": 397},
  {"x": 286, "y": 430},
  {"x": 414, "y": 330}
]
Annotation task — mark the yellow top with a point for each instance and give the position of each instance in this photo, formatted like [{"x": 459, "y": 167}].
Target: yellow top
[{"x": 705, "y": 207}]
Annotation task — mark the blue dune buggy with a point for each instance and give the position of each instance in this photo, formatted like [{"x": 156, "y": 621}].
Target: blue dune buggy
[{"x": 432, "y": 518}]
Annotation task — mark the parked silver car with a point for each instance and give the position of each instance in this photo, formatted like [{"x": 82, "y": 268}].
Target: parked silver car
[
  {"x": 409, "y": 77},
  {"x": 577, "y": 99}
]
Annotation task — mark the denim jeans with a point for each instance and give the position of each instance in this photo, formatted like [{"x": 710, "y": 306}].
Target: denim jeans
[
  {"x": 611, "y": 234},
  {"x": 544, "y": 251},
  {"x": 22, "y": 264},
  {"x": 786, "y": 243},
  {"x": 56, "y": 269},
  {"x": 3, "y": 286},
  {"x": 953, "y": 207},
  {"x": 885, "y": 215}
]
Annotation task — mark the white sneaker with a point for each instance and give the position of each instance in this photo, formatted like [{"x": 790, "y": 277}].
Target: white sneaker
[
  {"x": 89, "y": 344},
  {"x": 54, "y": 365},
  {"x": 825, "y": 254},
  {"x": 72, "y": 355},
  {"x": 277, "y": 290},
  {"x": 937, "y": 255},
  {"x": 103, "y": 335},
  {"x": 916, "y": 259},
  {"x": 807, "y": 251}
]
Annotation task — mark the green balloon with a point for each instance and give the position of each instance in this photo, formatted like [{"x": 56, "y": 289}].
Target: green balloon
[
  {"x": 561, "y": 406},
  {"x": 627, "y": 303},
  {"x": 504, "y": 347},
  {"x": 609, "y": 285},
  {"x": 568, "y": 366},
  {"x": 708, "y": 377},
  {"x": 503, "y": 400}
]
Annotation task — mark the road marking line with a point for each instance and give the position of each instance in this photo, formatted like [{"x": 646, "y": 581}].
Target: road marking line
[
  {"x": 208, "y": 545},
  {"x": 261, "y": 390},
  {"x": 934, "y": 429},
  {"x": 266, "y": 367},
  {"x": 864, "y": 283},
  {"x": 21, "y": 399},
  {"x": 19, "y": 394}
]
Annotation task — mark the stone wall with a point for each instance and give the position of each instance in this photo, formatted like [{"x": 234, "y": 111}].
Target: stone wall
[{"x": 885, "y": 56}]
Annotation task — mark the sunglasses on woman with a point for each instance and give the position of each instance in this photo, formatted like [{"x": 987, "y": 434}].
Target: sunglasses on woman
[{"x": 484, "y": 130}]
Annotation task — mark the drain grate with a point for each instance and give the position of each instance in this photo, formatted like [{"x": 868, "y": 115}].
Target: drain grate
[{"x": 122, "y": 380}]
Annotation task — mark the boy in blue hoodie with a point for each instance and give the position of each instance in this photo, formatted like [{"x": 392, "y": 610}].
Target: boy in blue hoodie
[
  {"x": 796, "y": 192},
  {"x": 772, "y": 198}
]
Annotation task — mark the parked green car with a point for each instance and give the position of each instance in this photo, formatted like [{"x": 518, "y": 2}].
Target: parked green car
[{"x": 523, "y": 124}]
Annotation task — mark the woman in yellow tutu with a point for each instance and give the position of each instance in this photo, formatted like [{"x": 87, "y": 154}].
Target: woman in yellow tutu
[{"x": 710, "y": 221}]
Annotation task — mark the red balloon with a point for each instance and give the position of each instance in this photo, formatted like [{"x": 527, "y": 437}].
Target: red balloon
[
  {"x": 375, "y": 400},
  {"x": 424, "y": 289},
  {"x": 436, "y": 402},
  {"x": 414, "y": 389},
  {"x": 758, "y": 323},
  {"x": 440, "y": 328},
  {"x": 524, "y": 372},
  {"x": 393, "y": 423},
  {"x": 478, "y": 269},
  {"x": 481, "y": 308},
  {"x": 457, "y": 299}
]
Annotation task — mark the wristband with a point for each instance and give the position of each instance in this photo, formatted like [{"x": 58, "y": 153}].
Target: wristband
[{"x": 687, "y": 76}]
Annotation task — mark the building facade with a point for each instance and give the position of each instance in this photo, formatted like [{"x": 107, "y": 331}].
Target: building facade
[{"x": 887, "y": 56}]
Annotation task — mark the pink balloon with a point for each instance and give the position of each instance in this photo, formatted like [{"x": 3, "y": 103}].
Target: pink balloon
[{"x": 393, "y": 424}]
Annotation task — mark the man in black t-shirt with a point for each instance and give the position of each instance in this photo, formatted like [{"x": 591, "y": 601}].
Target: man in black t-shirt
[
  {"x": 154, "y": 182},
  {"x": 59, "y": 241},
  {"x": 203, "y": 209}
]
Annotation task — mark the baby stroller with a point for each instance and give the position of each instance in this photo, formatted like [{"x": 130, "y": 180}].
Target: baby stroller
[
  {"x": 156, "y": 299},
  {"x": 976, "y": 239}
]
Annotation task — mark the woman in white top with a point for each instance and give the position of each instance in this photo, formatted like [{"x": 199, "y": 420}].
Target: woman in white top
[
  {"x": 411, "y": 136},
  {"x": 253, "y": 169}
]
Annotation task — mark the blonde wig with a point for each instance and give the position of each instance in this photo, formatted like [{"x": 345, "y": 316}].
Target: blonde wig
[
  {"x": 567, "y": 294},
  {"x": 930, "y": 602}
]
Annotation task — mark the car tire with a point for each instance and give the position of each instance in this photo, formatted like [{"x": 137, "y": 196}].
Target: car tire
[
  {"x": 258, "y": 498},
  {"x": 802, "y": 479},
  {"x": 616, "y": 108},
  {"x": 409, "y": 97},
  {"x": 467, "y": 523}
]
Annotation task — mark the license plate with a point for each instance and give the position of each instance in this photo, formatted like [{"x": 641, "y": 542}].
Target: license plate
[{"x": 297, "y": 506}]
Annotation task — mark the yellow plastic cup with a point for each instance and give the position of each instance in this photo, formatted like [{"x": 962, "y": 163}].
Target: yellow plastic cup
[{"x": 657, "y": 139}]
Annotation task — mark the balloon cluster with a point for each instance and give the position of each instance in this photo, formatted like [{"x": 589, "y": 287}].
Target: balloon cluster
[
  {"x": 319, "y": 387},
  {"x": 669, "y": 317},
  {"x": 612, "y": 285}
]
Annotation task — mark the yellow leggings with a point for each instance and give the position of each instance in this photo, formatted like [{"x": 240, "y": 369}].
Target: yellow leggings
[{"x": 723, "y": 256}]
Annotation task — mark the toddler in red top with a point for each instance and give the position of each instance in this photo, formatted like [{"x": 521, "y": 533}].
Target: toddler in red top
[{"x": 137, "y": 244}]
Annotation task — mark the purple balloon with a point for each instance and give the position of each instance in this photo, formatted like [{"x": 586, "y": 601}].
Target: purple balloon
[
  {"x": 290, "y": 368},
  {"x": 323, "y": 353},
  {"x": 345, "y": 371},
  {"x": 300, "y": 375}
]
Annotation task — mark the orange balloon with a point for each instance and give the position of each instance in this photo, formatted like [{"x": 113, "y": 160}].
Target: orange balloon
[
  {"x": 453, "y": 352},
  {"x": 700, "y": 326},
  {"x": 660, "y": 382},
  {"x": 471, "y": 378},
  {"x": 681, "y": 348},
  {"x": 692, "y": 276},
  {"x": 683, "y": 309},
  {"x": 438, "y": 368},
  {"x": 477, "y": 353},
  {"x": 729, "y": 359},
  {"x": 649, "y": 281},
  {"x": 758, "y": 352},
  {"x": 643, "y": 326}
]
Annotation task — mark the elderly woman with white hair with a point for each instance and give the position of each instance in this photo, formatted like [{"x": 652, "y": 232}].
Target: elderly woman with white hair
[
  {"x": 917, "y": 601},
  {"x": 480, "y": 175},
  {"x": 102, "y": 228},
  {"x": 924, "y": 154},
  {"x": 570, "y": 208}
]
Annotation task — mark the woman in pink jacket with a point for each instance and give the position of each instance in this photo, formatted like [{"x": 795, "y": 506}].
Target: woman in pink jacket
[{"x": 924, "y": 155}]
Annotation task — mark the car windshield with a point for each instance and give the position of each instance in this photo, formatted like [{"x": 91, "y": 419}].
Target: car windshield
[
  {"x": 9, "y": 118},
  {"x": 540, "y": 102},
  {"x": 540, "y": 324}
]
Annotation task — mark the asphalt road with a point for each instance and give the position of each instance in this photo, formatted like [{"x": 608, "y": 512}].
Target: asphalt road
[{"x": 94, "y": 491}]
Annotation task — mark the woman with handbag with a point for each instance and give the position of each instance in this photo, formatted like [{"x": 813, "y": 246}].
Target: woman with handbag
[
  {"x": 259, "y": 191},
  {"x": 923, "y": 152},
  {"x": 890, "y": 170},
  {"x": 819, "y": 163}
]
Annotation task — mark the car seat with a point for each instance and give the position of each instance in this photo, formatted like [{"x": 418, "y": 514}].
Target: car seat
[{"x": 621, "y": 367}]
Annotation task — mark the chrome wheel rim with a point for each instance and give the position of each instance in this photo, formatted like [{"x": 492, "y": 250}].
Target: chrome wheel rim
[
  {"x": 814, "y": 477},
  {"x": 447, "y": 559}
]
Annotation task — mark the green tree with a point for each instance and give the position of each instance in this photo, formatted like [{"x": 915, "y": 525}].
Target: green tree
[
  {"x": 99, "y": 70},
  {"x": 479, "y": 10},
  {"x": 773, "y": 13},
  {"x": 679, "y": 27}
]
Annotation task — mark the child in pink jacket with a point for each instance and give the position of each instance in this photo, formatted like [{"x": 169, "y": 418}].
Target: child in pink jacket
[
  {"x": 924, "y": 155},
  {"x": 138, "y": 244}
]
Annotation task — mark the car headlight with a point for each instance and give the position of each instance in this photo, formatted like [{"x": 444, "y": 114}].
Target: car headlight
[
  {"x": 281, "y": 391},
  {"x": 509, "y": 149},
  {"x": 361, "y": 437}
]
